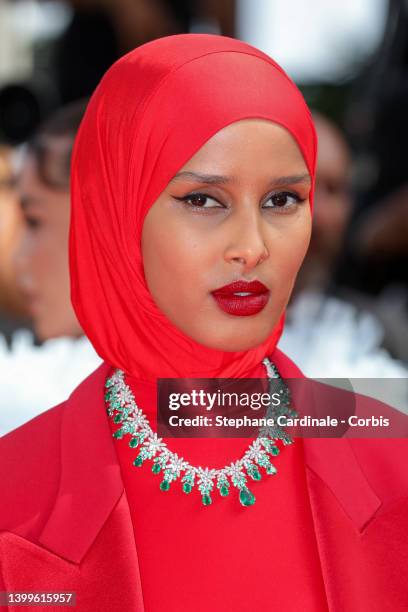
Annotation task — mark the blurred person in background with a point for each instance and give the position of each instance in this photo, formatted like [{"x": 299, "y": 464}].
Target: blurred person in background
[
  {"x": 11, "y": 302},
  {"x": 41, "y": 259},
  {"x": 42, "y": 275},
  {"x": 333, "y": 205},
  {"x": 379, "y": 241},
  {"x": 331, "y": 331},
  {"x": 375, "y": 260}
]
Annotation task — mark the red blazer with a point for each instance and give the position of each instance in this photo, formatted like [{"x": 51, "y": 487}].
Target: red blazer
[{"x": 65, "y": 523}]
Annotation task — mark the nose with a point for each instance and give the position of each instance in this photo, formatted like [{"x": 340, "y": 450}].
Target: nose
[{"x": 247, "y": 245}]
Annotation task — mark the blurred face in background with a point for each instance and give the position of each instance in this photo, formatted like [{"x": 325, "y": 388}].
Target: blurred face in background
[
  {"x": 332, "y": 204},
  {"x": 11, "y": 302},
  {"x": 41, "y": 258}
]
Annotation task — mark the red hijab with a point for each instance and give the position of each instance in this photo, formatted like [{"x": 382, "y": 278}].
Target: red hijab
[{"x": 150, "y": 114}]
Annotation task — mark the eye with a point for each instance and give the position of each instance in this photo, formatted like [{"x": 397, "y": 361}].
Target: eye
[
  {"x": 284, "y": 200},
  {"x": 32, "y": 222},
  {"x": 199, "y": 200}
]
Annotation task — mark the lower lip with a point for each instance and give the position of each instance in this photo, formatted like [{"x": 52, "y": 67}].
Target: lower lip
[{"x": 242, "y": 306}]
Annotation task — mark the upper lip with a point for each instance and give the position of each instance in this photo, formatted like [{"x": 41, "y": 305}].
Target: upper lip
[{"x": 255, "y": 287}]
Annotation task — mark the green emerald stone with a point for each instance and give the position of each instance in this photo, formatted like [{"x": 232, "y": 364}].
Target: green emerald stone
[
  {"x": 271, "y": 469},
  {"x": 275, "y": 450},
  {"x": 138, "y": 461},
  {"x": 156, "y": 467},
  {"x": 118, "y": 434},
  {"x": 187, "y": 488},
  {"x": 108, "y": 395},
  {"x": 255, "y": 474},
  {"x": 117, "y": 418},
  {"x": 246, "y": 497},
  {"x": 164, "y": 485},
  {"x": 206, "y": 499},
  {"x": 224, "y": 490},
  {"x": 134, "y": 442}
]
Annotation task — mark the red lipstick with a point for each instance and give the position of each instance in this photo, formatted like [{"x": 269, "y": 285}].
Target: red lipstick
[{"x": 242, "y": 298}]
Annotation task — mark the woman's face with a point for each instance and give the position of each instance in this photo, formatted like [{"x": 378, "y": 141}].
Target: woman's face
[
  {"x": 41, "y": 258},
  {"x": 237, "y": 211}
]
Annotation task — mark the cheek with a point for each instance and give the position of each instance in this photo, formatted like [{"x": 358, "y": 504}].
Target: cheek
[
  {"x": 49, "y": 262},
  {"x": 172, "y": 261},
  {"x": 33, "y": 253},
  {"x": 42, "y": 255}
]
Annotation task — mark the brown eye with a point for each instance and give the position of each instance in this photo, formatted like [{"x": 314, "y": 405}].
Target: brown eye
[
  {"x": 283, "y": 199},
  {"x": 200, "y": 200},
  {"x": 197, "y": 199}
]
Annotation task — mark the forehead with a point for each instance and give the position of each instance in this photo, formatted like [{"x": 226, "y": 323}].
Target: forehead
[{"x": 254, "y": 144}]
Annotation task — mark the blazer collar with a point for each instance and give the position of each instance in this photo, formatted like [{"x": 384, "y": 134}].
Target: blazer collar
[
  {"x": 91, "y": 484},
  {"x": 334, "y": 461}
]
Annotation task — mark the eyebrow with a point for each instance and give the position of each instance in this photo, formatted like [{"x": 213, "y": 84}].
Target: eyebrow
[{"x": 215, "y": 179}]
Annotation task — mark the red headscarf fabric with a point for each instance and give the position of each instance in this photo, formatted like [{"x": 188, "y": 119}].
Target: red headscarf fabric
[{"x": 150, "y": 114}]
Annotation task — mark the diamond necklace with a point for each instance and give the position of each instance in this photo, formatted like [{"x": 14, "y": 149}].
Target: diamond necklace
[{"x": 122, "y": 408}]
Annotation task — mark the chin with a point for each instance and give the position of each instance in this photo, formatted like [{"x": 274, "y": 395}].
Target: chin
[
  {"x": 47, "y": 329},
  {"x": 244, "y": 346},
  {"x": 234, "y": 344},
  {"x": 44, "y": 333}
]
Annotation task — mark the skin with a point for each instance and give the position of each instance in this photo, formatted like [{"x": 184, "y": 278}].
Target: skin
[
  {"x": 255, "y": 225},
  {"x": 11, "y": 301},
  {"x": 41, "y": 257}
]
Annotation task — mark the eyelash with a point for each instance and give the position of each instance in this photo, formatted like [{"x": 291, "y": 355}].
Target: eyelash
[{"x": 187, "y": 200}]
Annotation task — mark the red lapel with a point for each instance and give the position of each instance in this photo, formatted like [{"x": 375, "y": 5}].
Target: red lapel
[
  {"x": 333, "y": 460},
  {"x": 90, "y": 484}
]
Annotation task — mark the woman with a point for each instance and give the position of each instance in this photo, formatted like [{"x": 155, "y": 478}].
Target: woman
[
  {"x": 41, "y": 259},
  {"x": 42, "y": 276},
  {"x": 191, "y": 191}
]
